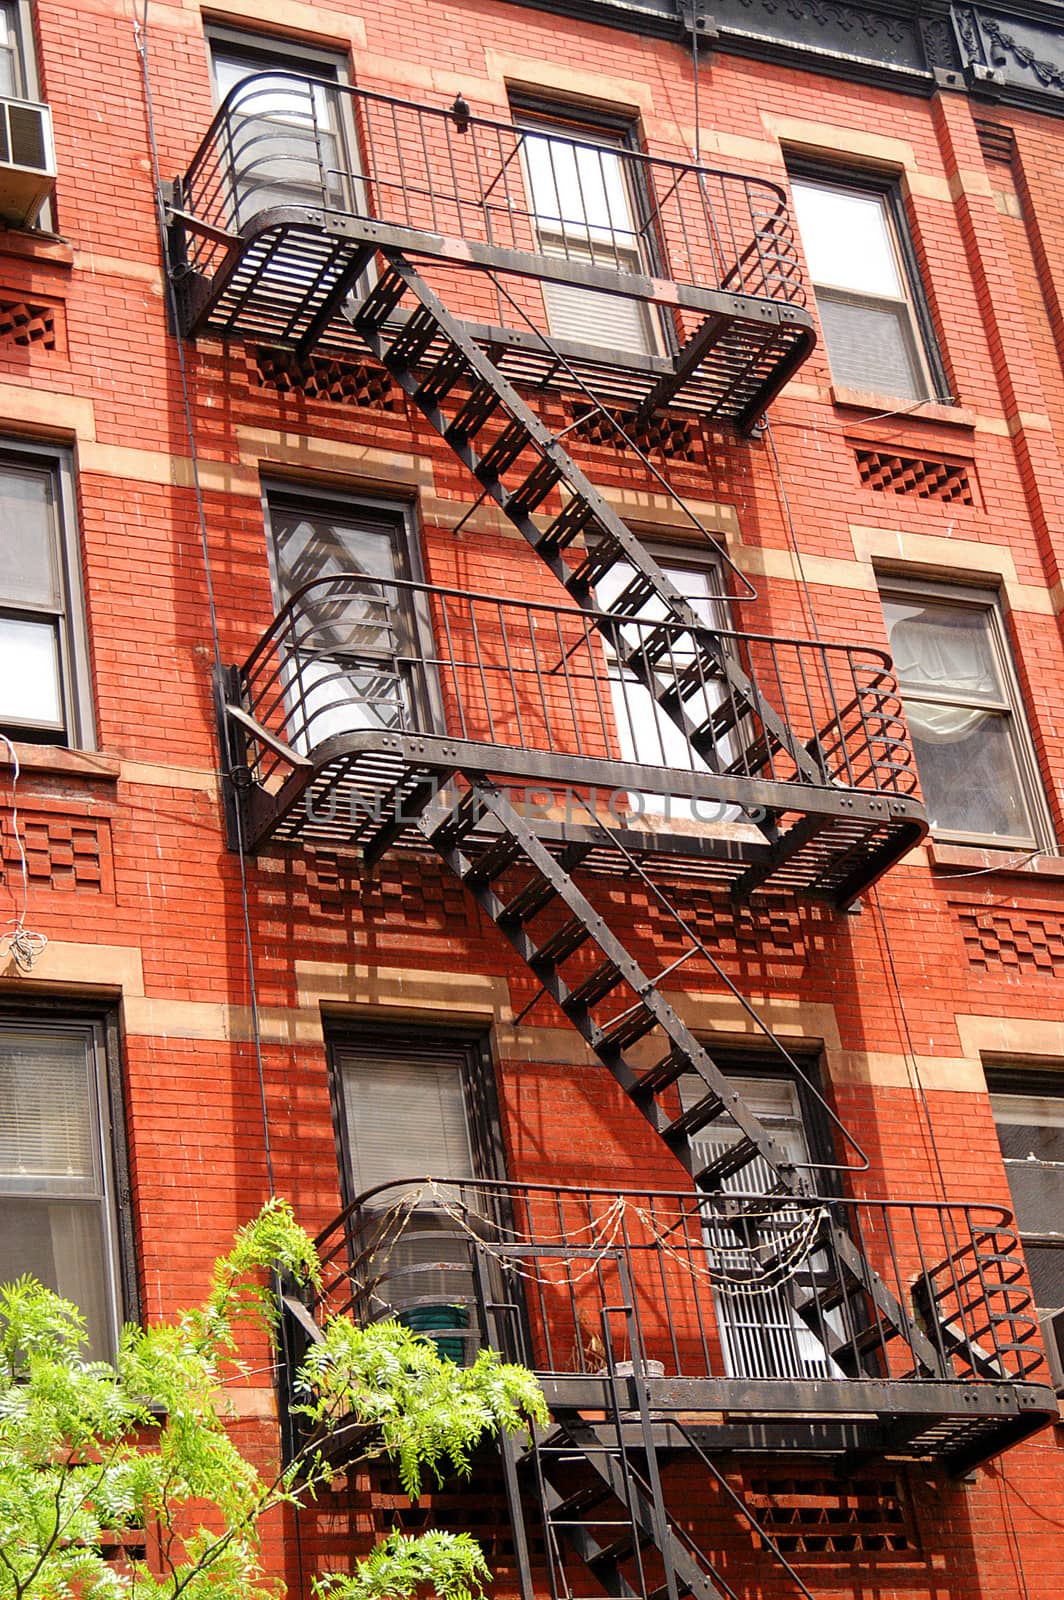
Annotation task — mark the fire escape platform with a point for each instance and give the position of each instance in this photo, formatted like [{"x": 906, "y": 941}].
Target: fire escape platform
[
  {"x": 300, "y": 190},
  {"x": 283, "y": 281},
  {"x": 960, "y": 1424},
  {"x": 361, "y": 788}
]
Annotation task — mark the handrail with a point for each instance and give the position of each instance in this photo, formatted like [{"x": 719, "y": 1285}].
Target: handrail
[
  {"x": 747, "y": 1285},
  {"x": 427, "y": 169},
  {"x": 352, "y": 652},
  {"x": 1000, "y": 1216}
]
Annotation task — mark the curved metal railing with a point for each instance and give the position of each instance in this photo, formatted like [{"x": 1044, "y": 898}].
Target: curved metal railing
[
  {"x": 719, "y": 1284},
  {"x": 282, "y": 138},
  {"x": 352, "y": 653}
]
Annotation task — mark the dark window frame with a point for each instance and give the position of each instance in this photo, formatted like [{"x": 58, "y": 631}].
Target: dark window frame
[
  {"x": 809, "y": 1082},
  {"x": 101, "y": 1022},
  {"x": 276, "y": 51},
  {"x": 584, "y": 118},
  {"x": 79, "y": 730},
  {"x": 988, "y": 599},
  {"x": 402, "y": 515},
  {"x": 888, "y": 187},
  {"x": 469, "y": 1048}
]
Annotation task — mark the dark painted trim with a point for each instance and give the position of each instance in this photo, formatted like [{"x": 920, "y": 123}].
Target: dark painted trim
[{"x": 1012, "y": 53}]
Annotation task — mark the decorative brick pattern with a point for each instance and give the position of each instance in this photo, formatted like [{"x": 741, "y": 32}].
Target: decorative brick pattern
[
  {"x": 26, "y": 322},
  {"x": 819, "y": 1516},
  {"x": 925, "y": 477},
  {"x": 671, "y": 437},
  {"x": 61, "y": 852},
  {"x": 425, "y": 897},
  {"x": 1028, "y": 941},
  {"x": 349, "y": 383}
]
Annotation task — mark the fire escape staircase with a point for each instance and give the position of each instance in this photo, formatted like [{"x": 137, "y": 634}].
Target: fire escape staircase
[{"x": 317, "y": 281}]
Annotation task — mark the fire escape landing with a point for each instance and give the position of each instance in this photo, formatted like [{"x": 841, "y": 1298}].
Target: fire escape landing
[{"x": 379, "y": 713}]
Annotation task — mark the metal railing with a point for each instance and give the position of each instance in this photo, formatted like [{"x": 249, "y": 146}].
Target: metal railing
[
  {"x": 351, "y": 654},
  {"x": 724, "y": 1285},
  {"x": 284, "y": 139}
]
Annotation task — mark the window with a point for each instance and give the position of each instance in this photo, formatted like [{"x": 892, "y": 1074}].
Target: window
[
  {"x": 407, "y": 1111},
  {"x": 977, "y": 767},
  {"x": 761, "y": 1334},
  {"x": 44, "y": 692},
  {"x": 290, "y": 139},
  {"x": 16, "y": 80},
  {"x": 644, "y": 732},
  {"x": 354, "y": 657},
  {"x": 587, "y": 208},
  {"x": 1030, "y": 1128},
  {"x": 59, "y": 1160},
  {"x": 875, "y": 325}
]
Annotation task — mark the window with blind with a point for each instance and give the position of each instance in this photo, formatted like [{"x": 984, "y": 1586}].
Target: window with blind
[
  {"x": 405, "y": 1116},
  {"x": 586, "y": 208},
  {"x": 44, "y": 687},
  {"x": 875, "y": 326},
  {"x": 977, "y": 765},
  {"x": 16, "y": 77},
  {"x": 57, "y": 1169}
]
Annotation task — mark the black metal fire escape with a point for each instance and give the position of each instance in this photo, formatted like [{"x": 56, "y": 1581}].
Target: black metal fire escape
[{"x": 360, "y": 260}]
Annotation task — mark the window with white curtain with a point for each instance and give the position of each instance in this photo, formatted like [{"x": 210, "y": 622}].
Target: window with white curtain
[
  {"x": 645, "y": 734},
  {"x": 761, "y": 1334},
  {"x": 57, "y": 1171},
  {"x": 289, "y": 140},
  {"x": 355, "y": 659},
  {"x": 866, "y": 296},
  {"x": 973, "y": 751}
]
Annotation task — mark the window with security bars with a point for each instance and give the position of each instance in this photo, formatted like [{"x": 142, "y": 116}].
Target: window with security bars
[
  {"x": 407, "y": 1113},
  {"x": 761, "y": 1334},
  {"x": 874, "y": 326},
  {"x": 44, "y": 688},
  {"x": 356, "y": 655},
  {"x": 57, "y": 1171},
  {"x": 977, "y": 765},
  {"x": 1030, "y": 1130},
  {"x": 586, "y": 208}
]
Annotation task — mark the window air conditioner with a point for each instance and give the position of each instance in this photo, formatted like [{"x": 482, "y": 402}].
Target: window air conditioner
[
  {"x": 1052, "y": 1329},
  {"x": 27, "y": 160}
]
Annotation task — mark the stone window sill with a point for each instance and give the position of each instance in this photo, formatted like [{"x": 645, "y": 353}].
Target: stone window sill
[
  {"x": 962, "y": 858},
  {"x": 55, "y": 761},
  {"x": 924, "y": 411},
  {"x": 48, "y": 249}
]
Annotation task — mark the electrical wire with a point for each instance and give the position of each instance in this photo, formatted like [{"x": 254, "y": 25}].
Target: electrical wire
[
  {"x": 140, "y": 31},
  {"x": 912, "y": 1065},
  {"x": 24, "y": 944}
]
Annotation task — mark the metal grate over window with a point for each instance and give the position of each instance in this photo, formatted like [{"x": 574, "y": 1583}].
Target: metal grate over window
[{"x": 926, "y": 477}]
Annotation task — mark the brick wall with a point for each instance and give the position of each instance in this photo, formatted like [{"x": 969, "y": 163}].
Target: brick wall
[{"x": 130, "y": 876}]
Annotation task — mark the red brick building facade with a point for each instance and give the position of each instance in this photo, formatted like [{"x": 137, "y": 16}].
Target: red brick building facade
[{"x": 471, "y": 319}]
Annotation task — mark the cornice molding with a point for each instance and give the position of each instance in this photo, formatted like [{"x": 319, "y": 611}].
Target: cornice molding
[{"x": 1012, "y": 51}]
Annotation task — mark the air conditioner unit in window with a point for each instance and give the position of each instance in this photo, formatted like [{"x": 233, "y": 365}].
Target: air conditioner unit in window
[
  {"x": 1052, "y": 1328},
  {"x": 27, "y": 160}
]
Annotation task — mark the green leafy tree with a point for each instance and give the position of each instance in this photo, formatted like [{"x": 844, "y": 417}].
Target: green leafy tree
[{"x": 87, "y": 1447}]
